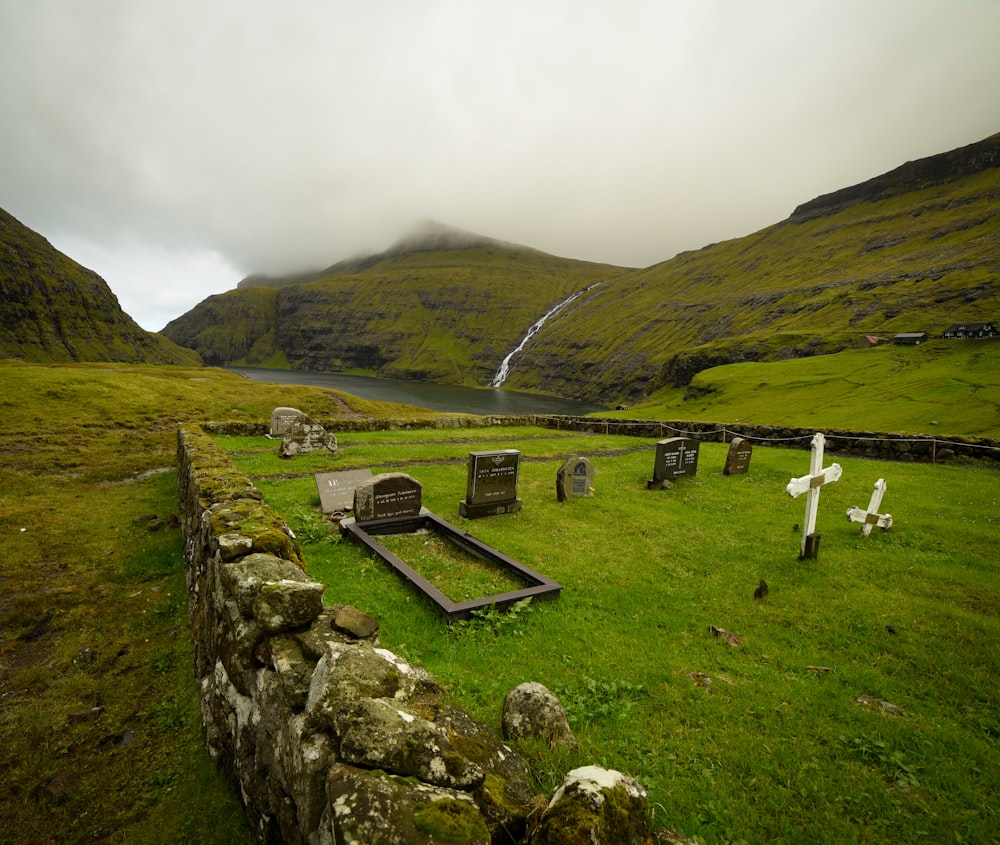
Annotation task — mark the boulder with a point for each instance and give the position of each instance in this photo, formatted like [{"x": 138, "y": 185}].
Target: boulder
[
  {"x": 594, "y": 806},
  {"x": 302, "y": 435},
  {"x": 530, "y": 711}
]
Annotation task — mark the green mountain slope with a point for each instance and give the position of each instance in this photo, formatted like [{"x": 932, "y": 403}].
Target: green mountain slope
[
  {"x": 440, "y": 306},
  {"x": 914, "y": 250},
  {"x": 54, "y": 310}
]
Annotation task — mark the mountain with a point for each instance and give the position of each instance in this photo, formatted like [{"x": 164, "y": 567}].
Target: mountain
[
  {"x": 439, "y": 305},
  {"x": 54, "y": 310},
  {"x": 914, "y": 249}
]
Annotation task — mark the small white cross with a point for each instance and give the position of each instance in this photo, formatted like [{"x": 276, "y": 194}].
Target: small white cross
[
  {"x": 871, "y": 517},
  {"x": 811, "y": 485}
]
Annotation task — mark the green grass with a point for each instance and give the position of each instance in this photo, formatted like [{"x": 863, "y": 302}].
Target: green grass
[
  {"x": 776, "y": 747},
  {"x": 947, "y": 387}
]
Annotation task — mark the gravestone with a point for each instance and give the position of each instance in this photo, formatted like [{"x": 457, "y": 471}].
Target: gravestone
[
  {"x": 336, "y": 489},
  {"x": 871, "y": 516},
  {"x": 280, "y": 418},
  {"x": 676, "y": 457},
  {"x": 811, "y": 484},
  {"x": 386, "y": 497},
  {"x": 491, "y": 486},
  {"x": 738, "y": 457},
  {"x": 574, "y": 479},
  {"x": 303, "y": 435}
]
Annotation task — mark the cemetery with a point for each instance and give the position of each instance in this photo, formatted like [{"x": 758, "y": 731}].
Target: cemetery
[{"x": 674, "y": 665}]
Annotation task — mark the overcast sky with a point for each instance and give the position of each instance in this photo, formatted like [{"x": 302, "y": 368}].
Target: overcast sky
[{"x": 175, "y": 146}]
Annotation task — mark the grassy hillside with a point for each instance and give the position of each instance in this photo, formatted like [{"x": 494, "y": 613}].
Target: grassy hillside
[
  {"x": 52, "y": 309},
  {"x": 941, "y": 387},
  {"x": 911, "y": 250},
  {"x": 417, "y": 311},
  {"x": 917, "y": 260}
]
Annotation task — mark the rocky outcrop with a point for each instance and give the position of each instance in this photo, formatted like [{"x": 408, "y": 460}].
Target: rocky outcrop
[{"x": 532, "y": 711}]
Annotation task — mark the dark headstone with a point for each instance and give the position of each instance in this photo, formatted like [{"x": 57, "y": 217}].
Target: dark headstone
[
  {"x": 738, "y": 457},
  {"x": 491, "y": 487},
  {"x": 575, "y": 478},
  {"x": 676, "y": 457},
  {"x": 391, "y": 495},
  {"x": 280, "y": 418},
  {"x": 336, "y": 489}
]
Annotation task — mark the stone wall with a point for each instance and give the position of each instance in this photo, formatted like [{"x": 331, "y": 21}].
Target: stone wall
[
  {"x": 330, "y": 737},
  {"x": 867, "y": 444}
]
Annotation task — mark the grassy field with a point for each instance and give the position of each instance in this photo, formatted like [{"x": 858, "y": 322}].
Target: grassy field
[
  {"x": 861, "y": 704},
  {"x": 100, "y": 737},
  {"x": 944, "y": 386}
]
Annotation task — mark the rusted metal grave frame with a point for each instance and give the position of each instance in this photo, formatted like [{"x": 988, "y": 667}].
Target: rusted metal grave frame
[{"x": 539, "y": 587}]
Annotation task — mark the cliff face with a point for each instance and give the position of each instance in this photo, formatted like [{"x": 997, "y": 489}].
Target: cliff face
[{"x": 54, "y": 310}]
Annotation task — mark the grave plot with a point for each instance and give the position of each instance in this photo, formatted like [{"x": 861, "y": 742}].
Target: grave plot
[{"x": 390, "y": 505}]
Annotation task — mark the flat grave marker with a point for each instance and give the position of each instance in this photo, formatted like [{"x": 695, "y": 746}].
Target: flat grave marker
[
  {"x": 336, "y": 489},
  {"x": 811, "y": 484},
  {"x": 491, "y": 484}
]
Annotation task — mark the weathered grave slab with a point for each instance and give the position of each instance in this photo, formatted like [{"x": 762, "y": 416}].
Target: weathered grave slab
[
  {"x": 738, "y": 457},
  {"x": 336, "y": 489},
  {"x": 491, "y": 485},
  {"x": 391, "y": 496},
  {"x": 871, "y": 517},
  {"x": 280, "y": 418},
  {"x": 575, "y": 478},
  {"x": 676, "y": 457}
]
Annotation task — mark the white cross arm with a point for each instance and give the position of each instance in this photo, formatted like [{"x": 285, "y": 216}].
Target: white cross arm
[
  {"x": 882, "y": 520},
  {"x": 805, "y": 483}
]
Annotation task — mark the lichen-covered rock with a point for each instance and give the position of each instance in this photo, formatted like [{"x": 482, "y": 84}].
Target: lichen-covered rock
[
  {"x": 505, "y": 797},
  {"x": 349, "y": 672},
  {"x": 283, "y": 605},
  {"x": 379, "y": 734},
  {"x": 594, "y": 806},
  {"x": 302, "y": 435},
  {"x": 355, "y": 622},
  {"x": 244, "y": 581},
  {"x": 375, "y": 808},
  {"x": 530, "y": 711}
]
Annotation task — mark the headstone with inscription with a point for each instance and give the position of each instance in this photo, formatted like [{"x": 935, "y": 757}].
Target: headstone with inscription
[
  {"x": 738, "y": 457},
  {"x": 336, "y": 489},
  {"x": 491, "y": 487},
  {"x": 676, "y": 457},
  {"x": 386, "y": 497},
  {"x": 575, "y": 478},
  {"x": 280, "y": 418}
]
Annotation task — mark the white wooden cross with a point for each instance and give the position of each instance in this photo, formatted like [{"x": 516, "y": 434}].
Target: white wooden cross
[
  {"x": 811, "y": 484},
  {"x": 871, "y": 517}
]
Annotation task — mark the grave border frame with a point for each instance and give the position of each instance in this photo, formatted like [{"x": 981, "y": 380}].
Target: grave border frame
[{"x": 538, "y": 586}]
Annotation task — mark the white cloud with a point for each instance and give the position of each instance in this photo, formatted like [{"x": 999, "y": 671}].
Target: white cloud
[{"x": 192, "y": 143}]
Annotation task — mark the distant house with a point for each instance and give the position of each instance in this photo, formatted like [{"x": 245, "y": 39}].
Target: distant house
[
  {"x": 967, "y": 330},
  {"x": 909, "y": 338}
]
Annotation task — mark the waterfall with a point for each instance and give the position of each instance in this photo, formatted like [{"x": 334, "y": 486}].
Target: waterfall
[{"x": 504, "y": 370}]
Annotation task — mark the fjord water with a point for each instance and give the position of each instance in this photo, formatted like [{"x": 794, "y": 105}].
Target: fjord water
[{"x": 447, "y": 398}]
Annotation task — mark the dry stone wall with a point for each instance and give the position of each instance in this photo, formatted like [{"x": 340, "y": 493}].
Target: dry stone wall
[{"x": 331, "y": 737}]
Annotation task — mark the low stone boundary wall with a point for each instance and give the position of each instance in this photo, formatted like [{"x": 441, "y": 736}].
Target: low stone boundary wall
[
  {"x": 867, "y": 444},
  {"x": 329, "y": 736}
]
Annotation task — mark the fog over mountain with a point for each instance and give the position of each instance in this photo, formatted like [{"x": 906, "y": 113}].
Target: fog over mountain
[{"x": 177, "y": 147}]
